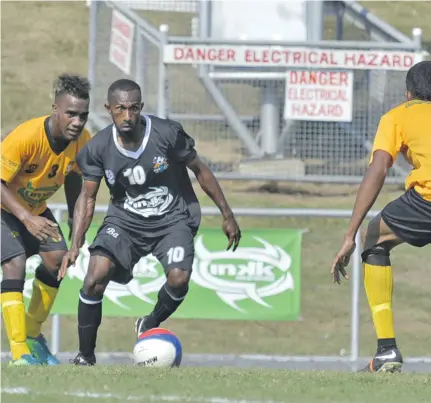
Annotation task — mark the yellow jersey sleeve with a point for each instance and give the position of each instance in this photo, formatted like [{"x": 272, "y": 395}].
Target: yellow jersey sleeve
[
  {"x": 389, "y": 136},
  {"x": 15, "y": 151},
  {"x": 82, "y": 141}
]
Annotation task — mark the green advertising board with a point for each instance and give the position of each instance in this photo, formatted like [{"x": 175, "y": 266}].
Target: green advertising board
[{"x": 259, "y": 281}]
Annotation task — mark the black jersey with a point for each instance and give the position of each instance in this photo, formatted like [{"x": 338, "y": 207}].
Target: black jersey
[{"x": 150, "y": 188}]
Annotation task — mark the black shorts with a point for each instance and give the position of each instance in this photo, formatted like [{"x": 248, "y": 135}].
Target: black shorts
[
  {"x": 409, "y": 218},
  {"x": 16, "y": 240},
  {"x": 174, "y": 250}
]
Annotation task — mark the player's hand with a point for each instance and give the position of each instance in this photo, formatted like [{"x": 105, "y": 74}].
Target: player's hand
[
  {"x": 342, "y": 259},
  {"x": 42, "y": 228},
  {"x": 70, "y": 224},
  {"x": 69, "y": 259},
  {"x": 231, "y": 229}
]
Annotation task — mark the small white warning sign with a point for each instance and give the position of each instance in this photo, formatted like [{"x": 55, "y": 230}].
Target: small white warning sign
[{"x": 319, "y": 95}]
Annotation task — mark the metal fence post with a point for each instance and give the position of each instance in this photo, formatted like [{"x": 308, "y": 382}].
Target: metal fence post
[
  {"x": 161, "y": 101},
  {"x": 55, "y": 333},
  {"x": 56, "y": 320},
  {"x": 356, "y": 286},
  {"x": 141, "y": 63},
  {"x": 417, "y": 38},
  {"x": 92, "y": 54}
]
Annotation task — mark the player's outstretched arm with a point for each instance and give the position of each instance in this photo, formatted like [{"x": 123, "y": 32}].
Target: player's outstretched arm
[
  {"x": 367, "y": 194},
  {"x": 39, "y": 227},
  {"x": 212, "y": 188},
  {"x": 82, "y": 217},
  {"x": 72, "y": 189}
]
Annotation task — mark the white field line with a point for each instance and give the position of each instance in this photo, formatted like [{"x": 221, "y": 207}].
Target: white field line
[
  {"x": 255, "y": 358},
  {"x": 153, "y": 398}
]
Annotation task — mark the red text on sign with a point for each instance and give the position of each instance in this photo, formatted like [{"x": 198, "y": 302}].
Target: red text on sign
[{"x": 204, "y": 55}]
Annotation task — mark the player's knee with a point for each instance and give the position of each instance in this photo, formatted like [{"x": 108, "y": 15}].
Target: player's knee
[
  {"x": 178, "y": 278},
  {"x": 47, "y": 277},
  {"x": 377, "y": 255},
  {"x": 14, "y": 269},
  {"x": 178, "y": 283},
  {"x": 52, "y": 261},
  {"x": 95, "y": 282},
  {"x": 98, "y": 275},
  {"x": 372, "y": 234},
  {"x": 93, "y": 287}
]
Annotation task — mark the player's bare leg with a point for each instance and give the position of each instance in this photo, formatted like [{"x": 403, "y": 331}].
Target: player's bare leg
[
  {"x": 379, "y": 241},
  {"x": 12, "y": 302},
  {"x": 170, "y": 297},
  {"x": 45, "y": 290},
  {"x": 100, "y": 270}
]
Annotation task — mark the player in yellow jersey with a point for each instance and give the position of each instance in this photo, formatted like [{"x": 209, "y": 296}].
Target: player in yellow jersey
[
  {"x": 405, "y": 129},
  {"x": 37, "y": 158}
]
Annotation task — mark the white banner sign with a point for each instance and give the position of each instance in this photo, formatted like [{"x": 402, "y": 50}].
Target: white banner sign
[
  {"x": 121, "y": 45},
  {"x": 279, "y": 56},
  {"x": 319, "y": 95}
]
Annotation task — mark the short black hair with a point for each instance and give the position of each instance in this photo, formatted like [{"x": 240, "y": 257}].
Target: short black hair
[
  {"x": 77, "y": 86},
  {"x": 418, "y": 81},
  {"x": 123, "y": 84}
]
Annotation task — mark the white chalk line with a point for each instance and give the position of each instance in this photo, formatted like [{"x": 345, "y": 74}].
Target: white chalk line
[
  {"x": 153, "y": 398},
  {"x": 254, "y": 358}
]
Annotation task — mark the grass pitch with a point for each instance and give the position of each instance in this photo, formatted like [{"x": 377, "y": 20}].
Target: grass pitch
[
  {"x": 33, "y": 55},
  {"x": 207, "y": 385}
]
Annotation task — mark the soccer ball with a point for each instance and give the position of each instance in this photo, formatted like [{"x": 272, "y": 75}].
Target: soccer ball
[{"x": 158, "y": 348}]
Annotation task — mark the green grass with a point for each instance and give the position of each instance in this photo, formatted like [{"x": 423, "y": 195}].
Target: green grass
[
  {"x": 203, "y": 384},
  {"x": 324, "y": 326},
  {"x": 403, "y": 15}
]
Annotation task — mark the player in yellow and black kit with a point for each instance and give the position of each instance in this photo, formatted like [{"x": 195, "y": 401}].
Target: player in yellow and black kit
[
  {"x": 38, "y": 157},
  {"x": 405, "y": 129}
]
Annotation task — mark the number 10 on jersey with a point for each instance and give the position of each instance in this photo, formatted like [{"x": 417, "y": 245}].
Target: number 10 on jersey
[{"x": 135, "y": 175}]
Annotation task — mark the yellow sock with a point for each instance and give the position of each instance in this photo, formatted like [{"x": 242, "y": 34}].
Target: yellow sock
[
  {"x": 41, "y": 302},
  {"x": 14, "y": 318},
  {"x": 378, "y": 286}
]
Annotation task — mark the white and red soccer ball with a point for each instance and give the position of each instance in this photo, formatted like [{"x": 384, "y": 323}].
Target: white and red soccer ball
[{"x": 158, "y": 348}]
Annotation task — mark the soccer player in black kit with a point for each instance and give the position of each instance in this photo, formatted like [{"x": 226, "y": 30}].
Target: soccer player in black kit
[{"x": 153, "y": 209}]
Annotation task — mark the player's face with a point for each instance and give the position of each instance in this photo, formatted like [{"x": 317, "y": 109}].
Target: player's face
[
  {"x": 125, "y": 109},
  {"x": 71, "y": 115}
]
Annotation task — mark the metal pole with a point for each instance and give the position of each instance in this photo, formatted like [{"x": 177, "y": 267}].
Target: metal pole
[
  {"x": 55, "y": 336},
  {"x": 417, "y": 37},
  {"x": 141, "y": 63},
  {"x": 204, "y": 18},
  {"x": 314, "y": 20},
  {"x": 204, "y": 28},
  {"x": 92, "y": 42},
  {"x": 92, "y": 50},
  {"x": 269, "y": 118},
  {"x": 339, "y": 29},
  {"x": 356, "y": 286},
  {"x": 56, "y": 320},
  {"x": 161, "y": 99}
]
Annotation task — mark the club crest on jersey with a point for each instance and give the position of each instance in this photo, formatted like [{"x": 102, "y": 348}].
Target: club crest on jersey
[
  {"x": 161, "y": 164},
  {"x": 110, "y": 177}
]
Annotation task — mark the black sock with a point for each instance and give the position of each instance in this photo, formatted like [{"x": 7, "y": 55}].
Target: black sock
[
  {"x": 46, "y": 277},
  {"x": 89, "y": 319},
  {"x": 169, "y": 299},
  {"x": 386, "y": 344}
]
